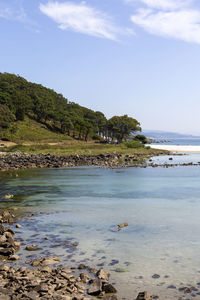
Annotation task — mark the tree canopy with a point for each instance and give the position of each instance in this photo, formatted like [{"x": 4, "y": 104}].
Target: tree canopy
[{"x": 20, "y": 98}]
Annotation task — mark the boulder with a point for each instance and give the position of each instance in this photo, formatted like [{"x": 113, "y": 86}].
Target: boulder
[
  {"x": 102, "y": 274},
  {"x": 95, "y": 287},
  {"x": 109, "y": 288},
  {"x": 31, "y": 248}
]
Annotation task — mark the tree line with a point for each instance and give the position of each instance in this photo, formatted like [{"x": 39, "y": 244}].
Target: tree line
[{"x": 20, "y": 98}]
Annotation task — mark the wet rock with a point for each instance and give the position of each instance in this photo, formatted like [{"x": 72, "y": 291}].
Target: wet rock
[
  {"x": 14, "y": 257},
  {"x": 45, "y": 261},
  {"x": 18, "y": 226},
  {"x": 4, "y": 268},
  {"x": 122, "y": 225},
  {"x": 93, "y": 271},
  {"x": 9, "y": 196},
  {"x": 155, "y": 276},
  {"x": 143, "y": 296},
  {"x": 84, "y": 277},
  {"x": 171, "y": 287},
  {"x": 82, "y": 267},
  {"x": 95, "y": 287},
  {"x": 185, "y": 289},
  {"x": 108, "y": 288},
  {"x": 102, "y": 274},
  {"x": 7, "y": 217},
  {"x": 32, "y": 248},
  {"x": 114, "y": 262},
  {"x": 7, "y": 251}
]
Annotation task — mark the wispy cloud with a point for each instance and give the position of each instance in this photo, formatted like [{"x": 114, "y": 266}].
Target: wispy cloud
[
  {"x": 184, "y": 24},
  {"x": 163, "y": 4},
  {"x": 170, "y": 18},
  {"x": 12, "y": 12},
  {"x": 81, "y": 18}
]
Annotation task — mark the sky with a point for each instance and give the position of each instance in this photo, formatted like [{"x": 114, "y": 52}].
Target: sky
[{"x": 135, "y": 57}]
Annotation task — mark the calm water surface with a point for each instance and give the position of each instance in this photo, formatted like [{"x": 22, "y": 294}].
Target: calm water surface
[{"x": 162, "y": 207}]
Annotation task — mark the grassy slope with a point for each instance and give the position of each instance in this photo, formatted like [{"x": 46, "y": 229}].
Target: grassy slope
[{"x": 32, "y": 131}]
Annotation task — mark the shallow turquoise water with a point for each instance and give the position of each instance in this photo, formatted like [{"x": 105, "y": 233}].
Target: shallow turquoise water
[{"x": 162, "y": 207}]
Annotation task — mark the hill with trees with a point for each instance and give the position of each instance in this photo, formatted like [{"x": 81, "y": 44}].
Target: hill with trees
[{"x": 22, "y": 101}]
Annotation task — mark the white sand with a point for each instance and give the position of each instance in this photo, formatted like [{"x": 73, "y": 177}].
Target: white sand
[{"x": 175, "y": 148}]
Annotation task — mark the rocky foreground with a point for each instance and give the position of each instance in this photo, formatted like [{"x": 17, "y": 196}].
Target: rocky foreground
[
  {"x": 19, "y": 160},
  {"x": 44, "y": 281}
]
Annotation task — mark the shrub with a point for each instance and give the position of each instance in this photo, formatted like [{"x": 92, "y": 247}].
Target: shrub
[
  {"x": 134, "y": 144},
  {"x": 141, "y": 138}
]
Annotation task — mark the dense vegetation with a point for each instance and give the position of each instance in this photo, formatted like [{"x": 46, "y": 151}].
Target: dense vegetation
[{"x": 20, "y": 99}]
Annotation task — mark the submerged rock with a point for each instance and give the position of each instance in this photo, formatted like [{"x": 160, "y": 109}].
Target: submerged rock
[
  {"x": 156, "y": 276},
  {"x": 9, "y": 196},
  {"x": 32, "y": 248}
]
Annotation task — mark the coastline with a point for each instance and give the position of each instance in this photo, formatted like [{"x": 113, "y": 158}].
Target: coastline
[
  {"x": 13, "y": 161},
  {"x": 18, "y": 160}
]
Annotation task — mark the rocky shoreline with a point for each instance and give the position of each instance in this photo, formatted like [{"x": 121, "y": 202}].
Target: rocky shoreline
[
  {"x": 45, "y": 279},
  {"x": 19, "y": 160}
]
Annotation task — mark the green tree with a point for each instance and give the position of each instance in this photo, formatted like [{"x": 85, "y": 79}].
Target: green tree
[
  {"x": 6, "y": 118},
  {"x": 120, "y": 127}
]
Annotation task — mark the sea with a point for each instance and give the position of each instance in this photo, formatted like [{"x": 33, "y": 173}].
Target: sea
[{"x": 159, "y": 250}]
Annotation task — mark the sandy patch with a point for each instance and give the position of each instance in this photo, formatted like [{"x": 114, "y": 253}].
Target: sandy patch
[
  {"x": 175, "y": 148},
  {"x": 6, "y": 144}
]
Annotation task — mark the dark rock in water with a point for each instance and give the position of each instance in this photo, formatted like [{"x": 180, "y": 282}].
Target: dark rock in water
[
  {"x": 143, "y": 296},
  {"x": 109, "y": 288},
  {"x": 32, "y": 248},
  {"x": 114, "y": 262},
  {"x": 122, "y": 225},
  {"x": 95, "y": 287},
  {"x": 93, "y": 271},
  {"x": 171, "y": 287},
  {"x": 82, "y": 267},
  {"x": 156, "y": 276},
  {"x": 185, "y": 289}
]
